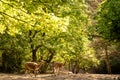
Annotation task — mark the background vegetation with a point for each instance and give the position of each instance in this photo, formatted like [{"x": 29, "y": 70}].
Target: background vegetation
[{"x": 84, "y": 34}]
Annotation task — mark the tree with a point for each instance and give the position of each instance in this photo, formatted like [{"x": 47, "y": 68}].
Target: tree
[
  {"x": 108, "y": 20},
  {"x": 108, "y": 24},
  {"x": 47, "y": 29}
]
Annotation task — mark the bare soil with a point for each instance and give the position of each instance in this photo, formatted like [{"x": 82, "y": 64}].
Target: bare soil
[{"x": 86, "y": 76}]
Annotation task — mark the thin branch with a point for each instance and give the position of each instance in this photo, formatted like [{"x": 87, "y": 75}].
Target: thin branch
[
  {"x": 13, "y": 6},
  {"x": 13, "y": 17},
  {"x": 3, "y": 48},
  {"x": 95, "y": 36}
]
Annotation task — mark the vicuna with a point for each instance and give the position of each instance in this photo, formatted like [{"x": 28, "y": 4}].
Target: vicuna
[
  {"x": 57, "y": 67},
  {"x": 33, "y": 66}
]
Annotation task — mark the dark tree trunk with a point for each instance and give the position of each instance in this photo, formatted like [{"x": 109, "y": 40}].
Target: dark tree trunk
[
  {"x": 34, "y": 57},
  {"x": 33, "y": 47},
  {"x": 4, "y": 61},
  {"x": 107, "y": 61}
]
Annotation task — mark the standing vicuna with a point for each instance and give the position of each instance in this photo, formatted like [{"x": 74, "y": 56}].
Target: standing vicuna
[
  {"x": 57, "y": 67},
  {"x": 33, "y": 66}
]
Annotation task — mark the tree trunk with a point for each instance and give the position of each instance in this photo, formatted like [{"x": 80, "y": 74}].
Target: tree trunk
[
  {"x": 33, "y": 47},
  {"x": 48, "y": 61},
  {"x": 34, "y": 57},
  {"x": 107, "y": 61},
  {"x": 4, "y": 61}
]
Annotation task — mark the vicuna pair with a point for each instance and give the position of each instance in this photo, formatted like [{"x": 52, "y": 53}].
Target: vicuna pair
[{"x": 33, "y": 66}]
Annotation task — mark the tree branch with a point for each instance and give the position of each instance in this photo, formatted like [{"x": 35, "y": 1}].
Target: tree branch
[
  {"x": 13, "y": 17},
  {"x": 13, "y": 6}
]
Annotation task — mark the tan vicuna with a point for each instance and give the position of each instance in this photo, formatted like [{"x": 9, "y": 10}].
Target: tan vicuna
[
  {"x": 33, "y": 66},
  {"x": 57, "y": 67}
]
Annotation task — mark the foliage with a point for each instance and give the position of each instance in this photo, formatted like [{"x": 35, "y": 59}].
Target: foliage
[
  {"x": 108, "y": 20},
  {"x": 46, "y": 29}
]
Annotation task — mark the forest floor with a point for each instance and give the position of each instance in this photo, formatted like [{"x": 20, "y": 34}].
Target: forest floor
[{"x": 86, "y": 76}]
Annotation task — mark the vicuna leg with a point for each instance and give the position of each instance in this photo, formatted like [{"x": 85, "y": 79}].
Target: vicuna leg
[
  {"x": 27, "y": 72},
  {"x": 35, "y": 72}
]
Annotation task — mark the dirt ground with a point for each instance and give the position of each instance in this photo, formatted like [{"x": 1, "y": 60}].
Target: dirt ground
[{"x": 86, "y": 76}]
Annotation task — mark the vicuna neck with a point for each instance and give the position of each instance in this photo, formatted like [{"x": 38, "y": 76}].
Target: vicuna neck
[{"x": 40, "y": 64}]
